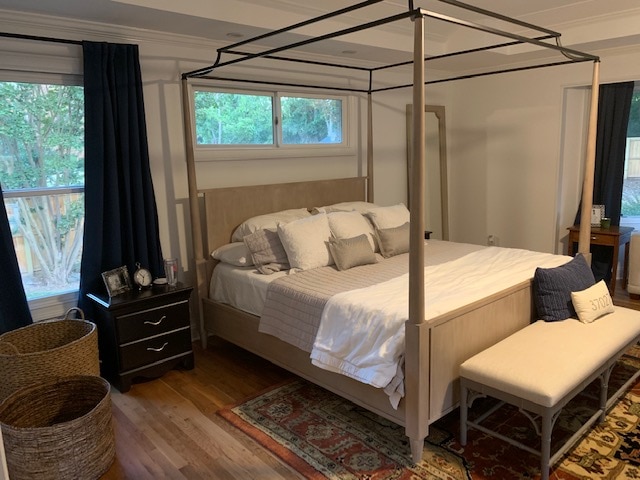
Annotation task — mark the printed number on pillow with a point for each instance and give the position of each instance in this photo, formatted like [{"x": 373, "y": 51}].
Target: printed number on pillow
[{"x": 592, "y": 303}]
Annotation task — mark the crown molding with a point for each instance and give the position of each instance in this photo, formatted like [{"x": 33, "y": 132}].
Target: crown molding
[{"x": 78, "y": 30}]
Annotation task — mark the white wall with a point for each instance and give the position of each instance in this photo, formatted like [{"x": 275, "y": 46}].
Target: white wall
[{"x": 514, "y": 152}]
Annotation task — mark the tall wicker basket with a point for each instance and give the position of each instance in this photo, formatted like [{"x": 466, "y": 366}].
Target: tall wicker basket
[
  {"x": 55, "y": 348},
  {"x": 59, "y": 429}
]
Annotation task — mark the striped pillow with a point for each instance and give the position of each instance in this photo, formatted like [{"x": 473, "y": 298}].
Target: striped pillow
[{"x": 552, "y": 288}]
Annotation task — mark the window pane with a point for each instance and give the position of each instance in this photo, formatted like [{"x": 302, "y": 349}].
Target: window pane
[
  {"x": 311, "y": 120},
  {"x": 42, "y": 151},
  {"x": 233, "y": 119},
  {"x": 47, "y": 236}
]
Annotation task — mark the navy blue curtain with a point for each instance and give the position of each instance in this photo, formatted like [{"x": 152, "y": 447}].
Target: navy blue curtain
[
  {"x": 614, "y": 105},
  {"x": 121, "y": 220},
  {"x": 14, "y": 309}
]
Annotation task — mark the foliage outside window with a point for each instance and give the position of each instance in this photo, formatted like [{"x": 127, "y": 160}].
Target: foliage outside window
[
  {"x": 269, "y": 120},
  {"x": 42, "y": 176},
  {"x": 311, "y": 120}
]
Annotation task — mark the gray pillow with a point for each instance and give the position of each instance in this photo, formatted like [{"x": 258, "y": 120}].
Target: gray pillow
[
  {"x": 351, "y": 252},
  {"x": 552, "y": 288},
  {"x": 267, "y": 251},
  {"x": 393, "y": 241}
]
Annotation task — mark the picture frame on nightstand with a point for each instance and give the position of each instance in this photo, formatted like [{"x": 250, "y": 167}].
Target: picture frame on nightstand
[
  {"x": 597, "y": 214},
  {"x": 117, "y": 280}
]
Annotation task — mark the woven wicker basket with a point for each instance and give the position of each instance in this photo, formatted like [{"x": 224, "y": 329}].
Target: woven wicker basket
[
  {"x": 55, "y": 348},
  {"x": 59, "y": 429}
]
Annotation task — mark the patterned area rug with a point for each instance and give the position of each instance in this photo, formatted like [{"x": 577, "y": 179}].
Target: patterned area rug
[{"x": 323, "y": 436}]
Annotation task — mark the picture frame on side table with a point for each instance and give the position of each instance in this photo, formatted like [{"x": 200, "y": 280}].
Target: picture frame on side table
[
  {"x": 117, "y": 280},
  {"x": 597, "y": 214}
]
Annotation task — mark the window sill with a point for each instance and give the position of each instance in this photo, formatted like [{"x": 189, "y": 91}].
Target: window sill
[
  {"x": 216, "y": 154},
  {"x": 52, "y": 307}
]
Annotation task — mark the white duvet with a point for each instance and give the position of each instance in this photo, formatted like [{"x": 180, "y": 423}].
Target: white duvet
[{"x": 373, "y": 346}]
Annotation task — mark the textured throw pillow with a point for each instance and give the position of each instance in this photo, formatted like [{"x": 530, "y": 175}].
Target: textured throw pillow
[
  {"x": 389, "y": 217},
  {"x": 268, "y": 221},
  {"x": 592, "y": 303},
  {"x": 235, "y": 253},
  {"x": 393, "y": 241},
  {"x": 552, "y": 288},
  {"x": 351, "y": 252},
  {"x": 351, "y": 224},
  {"x": 267, "y": 251},
  {"x": 306, "y": 242}
]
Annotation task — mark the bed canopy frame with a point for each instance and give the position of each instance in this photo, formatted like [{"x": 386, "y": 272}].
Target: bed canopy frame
[{"x": 416, "y": 328}]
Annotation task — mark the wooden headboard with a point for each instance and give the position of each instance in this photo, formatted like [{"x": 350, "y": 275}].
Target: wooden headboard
[{"x": 226, "y": 208}]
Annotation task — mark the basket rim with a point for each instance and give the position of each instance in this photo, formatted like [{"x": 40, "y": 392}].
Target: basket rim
[
  {"x": 49, "y": 350},
  {"x": 19, "y": 395}
]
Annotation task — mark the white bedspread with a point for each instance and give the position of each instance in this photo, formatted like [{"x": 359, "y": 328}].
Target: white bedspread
[{"x": 372, "y": 351}]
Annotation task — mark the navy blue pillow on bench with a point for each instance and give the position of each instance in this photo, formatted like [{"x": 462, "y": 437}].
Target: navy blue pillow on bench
[{"x": 552, "y": 288}]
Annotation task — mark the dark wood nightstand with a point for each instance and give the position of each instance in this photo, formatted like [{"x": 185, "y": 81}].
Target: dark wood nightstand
[
  {"x": 143, "y": 333},
  {"x": 614, "y": 237}
]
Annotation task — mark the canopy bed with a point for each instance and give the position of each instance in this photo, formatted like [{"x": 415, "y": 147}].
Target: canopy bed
[{"x": 434, "y": 346}]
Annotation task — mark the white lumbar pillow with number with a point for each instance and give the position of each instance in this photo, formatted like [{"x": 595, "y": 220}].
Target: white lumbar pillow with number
[{"x": 592, "y": 303}]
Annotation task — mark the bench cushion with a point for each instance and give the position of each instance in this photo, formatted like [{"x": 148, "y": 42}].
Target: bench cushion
[{"x": 545, "y": 361}]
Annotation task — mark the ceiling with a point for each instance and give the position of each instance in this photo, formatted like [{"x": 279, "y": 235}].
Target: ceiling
[{"x": 584, "y": 24}]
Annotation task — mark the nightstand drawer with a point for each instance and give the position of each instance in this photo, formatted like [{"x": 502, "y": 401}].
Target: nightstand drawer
[
  {"x": 598, "y": 239},
  {"x": 154, "y": 349},
  {"x": 153, "y": 321}
]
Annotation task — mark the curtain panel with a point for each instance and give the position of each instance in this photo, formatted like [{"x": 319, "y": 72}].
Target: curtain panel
[
  {"x": 14, "y": 309},
  {"x": 121, "y": 225},
  {"x": 614, "y": 105}
]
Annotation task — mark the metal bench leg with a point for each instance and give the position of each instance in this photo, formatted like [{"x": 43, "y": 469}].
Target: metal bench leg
[
  {"x": 545, "y": 444},
  {"x": 464, "y": 405},
  {"x": 604, "y": 392}
]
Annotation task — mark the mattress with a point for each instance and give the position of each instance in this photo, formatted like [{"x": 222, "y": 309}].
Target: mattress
[{"x": 242, "y": 287}]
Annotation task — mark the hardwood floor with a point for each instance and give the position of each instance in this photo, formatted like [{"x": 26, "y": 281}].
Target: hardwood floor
[
  {"x": 169, "y": 428},
  {"x": 621, "y": 298}
]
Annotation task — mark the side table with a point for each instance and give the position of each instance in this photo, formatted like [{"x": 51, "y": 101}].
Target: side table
[
  {"x": 614, "y": 237},
  {"x": 143, "y": 333}
]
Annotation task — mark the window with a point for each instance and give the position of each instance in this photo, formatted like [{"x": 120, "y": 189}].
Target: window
[
  {"x": 42, "y": 176},
  {"x": 233, "y": 118},
  {"x": 271, "y": 121},
  {"x": 631, "y": 183}
]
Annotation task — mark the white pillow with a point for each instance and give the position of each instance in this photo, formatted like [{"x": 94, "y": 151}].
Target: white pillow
[
  {"x": 358, "y": 206},
  {"x": 269, "y": 220},
  {"x": 389, "y": 217},
  {"x": 351, "y": 224},
  {"x": 235, "y": 253},
  {"x": 306, "y": 242},
  {"x": 593, "y": 302}
]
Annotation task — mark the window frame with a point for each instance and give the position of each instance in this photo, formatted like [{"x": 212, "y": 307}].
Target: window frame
[
  {"x": 51, "y": 306},
  {"x": 205, "y": 153}
]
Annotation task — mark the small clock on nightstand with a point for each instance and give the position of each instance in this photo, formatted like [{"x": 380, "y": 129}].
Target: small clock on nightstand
[{"x": 142, "y": 277}]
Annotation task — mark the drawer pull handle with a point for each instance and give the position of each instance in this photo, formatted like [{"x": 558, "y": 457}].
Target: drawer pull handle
[
  {"x": 151, "y": 349},
  {"x": 155, "y": 324},
  {"x": 594, "y": 238}
]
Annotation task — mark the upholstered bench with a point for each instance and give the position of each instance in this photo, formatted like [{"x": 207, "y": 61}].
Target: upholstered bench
[{"x": 543, "y": 366}]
